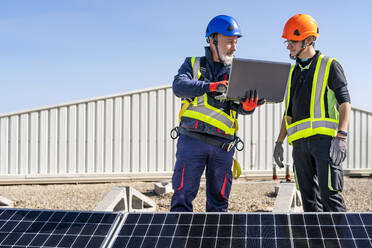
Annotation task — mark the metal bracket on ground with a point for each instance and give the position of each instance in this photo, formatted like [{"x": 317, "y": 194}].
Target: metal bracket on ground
[
  {"x": 138, "y": 202},
  {"x": 287, "y": 172},
  {"x": 115, "y": 200},
  {"x": 126, "y": 199},
  {"x": 288, "y": 198},
  {"x": 6, "y": 203}
]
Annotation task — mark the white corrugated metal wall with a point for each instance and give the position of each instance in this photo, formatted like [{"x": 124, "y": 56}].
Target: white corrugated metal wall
[{"x": 128, "y": 134}]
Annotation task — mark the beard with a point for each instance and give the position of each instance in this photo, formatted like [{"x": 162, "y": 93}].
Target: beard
[{"x": 227, "y": 59}]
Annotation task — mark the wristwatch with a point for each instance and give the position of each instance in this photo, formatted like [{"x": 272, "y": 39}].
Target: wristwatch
[{"x": 342, "y": 132}]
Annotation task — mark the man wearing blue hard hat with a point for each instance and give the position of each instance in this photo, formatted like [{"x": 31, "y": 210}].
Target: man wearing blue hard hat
[{"x": 207, "y": 128}]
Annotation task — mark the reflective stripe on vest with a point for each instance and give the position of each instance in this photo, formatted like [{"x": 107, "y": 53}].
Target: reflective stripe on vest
[
  {"x": 317, "y": 123},
  {"x": 199, "y": 108}
]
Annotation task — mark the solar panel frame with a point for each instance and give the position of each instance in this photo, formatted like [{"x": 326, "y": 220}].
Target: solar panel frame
[
  {"x": 55, "y": 228},
  {"x": 246, "y": 230}
]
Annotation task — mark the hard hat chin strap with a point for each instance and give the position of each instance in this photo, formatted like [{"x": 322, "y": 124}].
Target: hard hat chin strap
[
  {"x": 215, "y": 42},
  {"x": 304, "y": 46}
]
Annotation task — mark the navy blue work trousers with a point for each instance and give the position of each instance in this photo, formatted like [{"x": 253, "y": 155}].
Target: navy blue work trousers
[
  {"x": 319, "y": 180},
  {"x": 193, "y": 156}
]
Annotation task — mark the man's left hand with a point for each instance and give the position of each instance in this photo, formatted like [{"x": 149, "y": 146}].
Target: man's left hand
[{"x": 338, "y": 150}]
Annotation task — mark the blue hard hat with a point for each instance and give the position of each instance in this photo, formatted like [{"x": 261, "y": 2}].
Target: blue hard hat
[{"x": 223, "y": 24}]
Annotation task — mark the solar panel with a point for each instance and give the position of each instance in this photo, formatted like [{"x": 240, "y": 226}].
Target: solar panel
[
  {"x": 49, "y": 228},
  {"x": 244, "y": 230},
  {"x": 20, "y": 228}
]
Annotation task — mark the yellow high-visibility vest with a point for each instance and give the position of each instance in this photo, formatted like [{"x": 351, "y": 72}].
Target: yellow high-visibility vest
[
  {"x": 199, "y": 108},
  {"x": 317, "y": 123}
]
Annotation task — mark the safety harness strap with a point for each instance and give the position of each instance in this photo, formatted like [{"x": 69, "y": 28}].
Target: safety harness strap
[
  {"x": 195, "y": 62},
  {"x": 212, "y": 140}
]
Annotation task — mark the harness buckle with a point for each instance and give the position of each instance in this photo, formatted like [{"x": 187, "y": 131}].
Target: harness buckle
[
  {"x": 228, "y": 146},
  {"x": 237, "y": 142}
]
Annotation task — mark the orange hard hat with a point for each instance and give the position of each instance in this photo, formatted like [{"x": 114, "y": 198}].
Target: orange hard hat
[{"x": 299, "y": 27}]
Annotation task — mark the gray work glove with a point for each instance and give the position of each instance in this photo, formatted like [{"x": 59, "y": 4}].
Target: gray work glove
[
  {"x": 338, "y": 150},
  {"x": 278, "y": 154}
]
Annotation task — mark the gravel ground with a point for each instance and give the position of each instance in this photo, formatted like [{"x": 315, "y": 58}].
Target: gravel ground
[{"x": 256, "y": 196}]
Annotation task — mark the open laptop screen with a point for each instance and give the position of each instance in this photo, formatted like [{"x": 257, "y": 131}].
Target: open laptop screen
[{"x": 268, "y": 78}]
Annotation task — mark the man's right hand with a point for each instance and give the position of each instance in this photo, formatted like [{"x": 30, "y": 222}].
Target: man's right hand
[
  {"x": 251, "y": 101},
  {"x": 220, "y": 87},
  {"x": 278, "y": 154}
]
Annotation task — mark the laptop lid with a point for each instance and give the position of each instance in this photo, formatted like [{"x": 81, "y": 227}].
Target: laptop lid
[{"x": 267, "y": 77}]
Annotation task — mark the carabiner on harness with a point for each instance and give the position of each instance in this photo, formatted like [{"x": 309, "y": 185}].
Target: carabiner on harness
[
  {"x": 174, "y": 133},
  {"x": 238, "y": 141},
  {"x": 228, "y": 146}
]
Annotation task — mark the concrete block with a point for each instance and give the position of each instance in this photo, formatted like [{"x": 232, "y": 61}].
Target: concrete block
[
  {"x": 6, "y": 203},
  {"x": 288, "y": 198},
  {"x": 115, "y": 200},
  {"x": 162, "y": 188}
]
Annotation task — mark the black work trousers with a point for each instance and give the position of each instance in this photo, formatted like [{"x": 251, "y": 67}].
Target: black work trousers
[{"x": 318, "y": 179}]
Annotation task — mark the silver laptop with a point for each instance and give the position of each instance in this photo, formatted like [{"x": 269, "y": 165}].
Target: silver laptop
[{"x": 267, "y": 77}]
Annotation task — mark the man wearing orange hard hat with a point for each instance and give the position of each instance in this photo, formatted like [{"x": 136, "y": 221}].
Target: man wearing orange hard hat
[{"x": 316, "y": 118}]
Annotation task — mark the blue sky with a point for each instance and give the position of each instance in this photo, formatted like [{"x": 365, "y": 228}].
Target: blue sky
[{"x": 52, "y": 52}]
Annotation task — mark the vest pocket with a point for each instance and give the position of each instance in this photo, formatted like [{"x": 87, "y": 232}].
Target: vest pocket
[{"x": 335, "y": 177}]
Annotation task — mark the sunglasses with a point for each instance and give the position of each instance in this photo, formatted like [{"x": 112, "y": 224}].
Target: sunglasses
[{"x": 291, "y": 42}]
